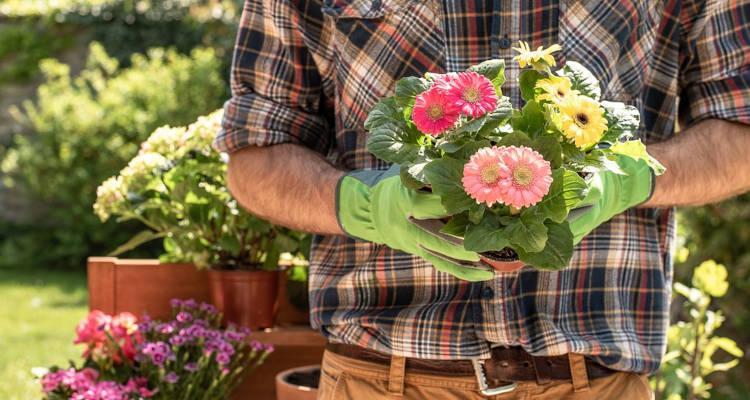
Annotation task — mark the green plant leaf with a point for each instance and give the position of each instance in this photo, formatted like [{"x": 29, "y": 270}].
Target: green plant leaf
[
  {"x": 527, "y": 232},
  {"x": 623, "y": 121},
  {"x": 516, "y": 138},
  {"x": 457, "y": 225},
  {"x": 394, "y": 144},
  {"x": 385, "y": 112},
  {"x": 549, "y": 147},
  {"x": 135, "y": 241},
  {"x": 582, "y": 79},
  {"x": 635, "y": 149},
  {"x": 412, "y": 176},
  {"x": 527, "y": 83},
  {"x": 476, "y": 213},
  {"x": 445, "y": 177},
  {"x": 566, "y": 191},
  {"x": 408, "y": 88},
  {"x": 557, "y": 251},
  {"x": 494, "y": 70},
  {"x": 530, "y": 120},
  {"x": 467, "y": 150},
  {"x": 488, "y": 235},
  {"x": 471, "y": 126}
]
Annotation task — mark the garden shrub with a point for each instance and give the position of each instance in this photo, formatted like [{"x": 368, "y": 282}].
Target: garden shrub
[
  {"x": 81, "y": 130},
  {"x": 23, "y": 44}
]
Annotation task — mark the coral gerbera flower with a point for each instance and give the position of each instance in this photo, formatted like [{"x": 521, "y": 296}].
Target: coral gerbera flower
[
  {"x": 540, "y": 59},
  {"x": 472, "y": 92},
  {"x": 482, "y": 175},
  {"x": 555, "y": 89},
  {"x": 582, "y": 120},
  {"x": 434, "y": 112},
  {"x": 528, "y": 176}
]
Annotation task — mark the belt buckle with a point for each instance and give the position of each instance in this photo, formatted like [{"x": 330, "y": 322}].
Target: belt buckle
[{"x": 484, "y": 388}]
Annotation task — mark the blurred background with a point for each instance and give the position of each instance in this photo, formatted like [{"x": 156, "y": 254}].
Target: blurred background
[{"x": 84, "y": 82}]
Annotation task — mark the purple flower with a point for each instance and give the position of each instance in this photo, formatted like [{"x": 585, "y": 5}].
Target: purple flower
[
  {"x": 256, "y": 345},
  {"x": 223, "y": 358},
  {"x": 191, "y": 367},
  {"x": 190, "y": 304},
  {"x": 175, "y": 303},
  {"x": 178, "y": 340},
  {"x": 269, "y": 348},
  {"x": 165, "y": 328},
  {"x": 171, "y": 378},
  {"x": 158, "y": 351},
  {"x": 183, "y": 317}
]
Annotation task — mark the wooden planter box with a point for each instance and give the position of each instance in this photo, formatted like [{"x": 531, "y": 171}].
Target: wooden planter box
[{"x": 146, "y": 287}]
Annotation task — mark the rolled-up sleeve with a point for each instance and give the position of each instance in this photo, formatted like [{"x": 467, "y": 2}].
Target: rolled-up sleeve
[
  {"x": 277, "y": 86},
  {"x": 716, "y": 61}
]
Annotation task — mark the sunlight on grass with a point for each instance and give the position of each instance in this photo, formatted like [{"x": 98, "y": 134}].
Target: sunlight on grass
[{"x": 38, "y": 314}]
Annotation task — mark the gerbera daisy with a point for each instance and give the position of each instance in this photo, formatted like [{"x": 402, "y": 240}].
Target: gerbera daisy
[
  {"x": 527, "y": 177},
  {"x": 582, "y": 120},
  {"x": 482, "y": 175},
  {"x": 540, "y": 59},
  {"x": 434, "y": 112},
  {"x": 555, "y": 89},
  {"x": 472, "y": 92}
]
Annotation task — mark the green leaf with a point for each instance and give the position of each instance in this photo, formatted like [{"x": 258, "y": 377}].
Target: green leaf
[
  {"x": 408, "y": 88},
  {"x": 566, "y": 191},
  {"x": 445, "y": 177},
  {"x": 230, "y": 244},
  {"x": 516, "y": 138},
  {"x": 467, "y": 150},
  {"x": 582, "y": 79},
  {"x": 394, "y": 144},
  {"x": 549, "y": 147},
  {"x": 471, "y": 126},
  {"x": 530, "y": 120},
  {"x": 494, "y": 119},
  {"x": 623, "y": 122},
  {"x": 476, "y": 213},
  {"x": 456, "y": 226},
  {"x": 137, "y": 240},
  {"x": 557, "y": 251},
  {"x": 494, "y": 70},
  {"x": 488, "y": 235},
  {"x": 412, "y": 176},
  {"x": 728, "y": 345},
  {"x": 385, "y": 112},
  {"x": 527, "y": 82},
  {"x": 527, "y": 232},
  {"x": 635, "y": 149}
]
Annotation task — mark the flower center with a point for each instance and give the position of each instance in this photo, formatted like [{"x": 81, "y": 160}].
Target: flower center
[
  {"x": 560, "y": 93},
  {"x": 471, "y": 94},
  {"x": 582, "y": 119},
  {"x": 522, "y": 175},
  {"x": 435, "y": 112},
  {"x": 490, "y": 174}
]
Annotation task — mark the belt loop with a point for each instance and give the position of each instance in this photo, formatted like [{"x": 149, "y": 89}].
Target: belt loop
[
  {"x": 578, "y": 373},
  {"x": 396, "y": 375}
]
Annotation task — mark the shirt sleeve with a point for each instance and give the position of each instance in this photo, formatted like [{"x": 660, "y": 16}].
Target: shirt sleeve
[
  {"x": 715, "y": 76},
  {"x": 276, "y": 84}
]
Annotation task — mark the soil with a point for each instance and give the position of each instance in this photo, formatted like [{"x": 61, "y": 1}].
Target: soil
[
  {"x": 506, "y": 254},
  {"x": 307, "y": 379}
]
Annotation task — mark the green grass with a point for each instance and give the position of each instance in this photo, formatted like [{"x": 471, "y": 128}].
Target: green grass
[{"x": 38, "y": 313}]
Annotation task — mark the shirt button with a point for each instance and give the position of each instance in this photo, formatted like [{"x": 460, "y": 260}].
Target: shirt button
[
  {"x": 487, "y": 293},
  {"x": 505, "y": 42}
]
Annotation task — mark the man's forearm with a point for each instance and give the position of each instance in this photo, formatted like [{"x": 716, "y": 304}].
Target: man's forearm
[
  {"x": 288, "y": 185},
  {"x": 706, "y": 163}
]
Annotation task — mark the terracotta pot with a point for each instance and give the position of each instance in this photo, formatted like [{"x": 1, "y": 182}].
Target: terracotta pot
[
  {"x": 142, "y": 286},
  {"x": 289, "y": 385},
  {"x": 503, "y": 266},
  {"x": 246, "y": 298}
]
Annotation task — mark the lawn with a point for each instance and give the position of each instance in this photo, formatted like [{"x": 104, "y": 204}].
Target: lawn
[{"x": 38, "y": 313}]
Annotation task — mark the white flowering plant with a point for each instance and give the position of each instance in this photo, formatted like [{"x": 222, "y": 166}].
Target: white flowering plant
[
  {"x": 508, "y": 177},
  {"x": 176, "y": 187}
]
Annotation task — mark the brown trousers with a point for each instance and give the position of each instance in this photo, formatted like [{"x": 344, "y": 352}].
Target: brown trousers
[{"x": 344, "y": 378}]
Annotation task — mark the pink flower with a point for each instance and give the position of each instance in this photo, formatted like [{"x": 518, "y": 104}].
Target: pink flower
[
  {"x": 482, "y": 175},
  {"x": 473, "y": 93},
  {"x": 514, "y": 176},
  {"x": 528, "y": 177},
  {"x": 434, "y": 112}
]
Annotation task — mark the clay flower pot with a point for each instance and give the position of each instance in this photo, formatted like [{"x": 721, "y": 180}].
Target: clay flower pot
[
  {"x": 505, "y": 260},
  {"x": 298, "y": 383},
  {"x": 246, "y": 298}
]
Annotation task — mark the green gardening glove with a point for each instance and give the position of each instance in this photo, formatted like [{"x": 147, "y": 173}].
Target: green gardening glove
[
  {"x": 375, "y": 206},
  {"x": 611, "y": 194}
]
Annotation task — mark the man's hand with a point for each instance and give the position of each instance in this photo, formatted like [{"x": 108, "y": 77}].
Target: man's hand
[{"x": 376, "y": 207}]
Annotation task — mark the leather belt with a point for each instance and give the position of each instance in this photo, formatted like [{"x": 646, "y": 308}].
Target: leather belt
[{"x": 508, "y": 364}]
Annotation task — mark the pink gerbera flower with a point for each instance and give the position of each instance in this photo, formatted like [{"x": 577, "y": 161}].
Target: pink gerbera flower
[
  {"x": 434, "y": 112},
  {"x": 483, "y": 174},
  {"x": 472, "y": 92},
  {"x": 527, "y": 177}
]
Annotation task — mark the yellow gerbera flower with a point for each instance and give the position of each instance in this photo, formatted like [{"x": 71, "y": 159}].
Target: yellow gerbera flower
[
  {"x": 582, "y": 120},
  {"x": 555, "y": 89},
  {"x": 540, "y": 59}
]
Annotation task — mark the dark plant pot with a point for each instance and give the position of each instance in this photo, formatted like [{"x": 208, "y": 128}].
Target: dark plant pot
[
  {"x": 246, "y": 298},
  {"x": 505, "y": 260},
  {"x": 298, "y": 383}
]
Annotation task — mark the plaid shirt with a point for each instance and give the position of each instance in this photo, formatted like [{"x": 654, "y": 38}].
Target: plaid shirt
[{"x": 307, "y": 72}]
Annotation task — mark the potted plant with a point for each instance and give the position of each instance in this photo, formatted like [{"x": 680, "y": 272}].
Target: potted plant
[{"x": 176, "y": 187}]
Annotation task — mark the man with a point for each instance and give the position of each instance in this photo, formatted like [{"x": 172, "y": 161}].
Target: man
[{"x": 307, "y": 72}]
